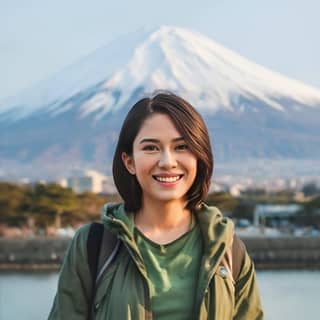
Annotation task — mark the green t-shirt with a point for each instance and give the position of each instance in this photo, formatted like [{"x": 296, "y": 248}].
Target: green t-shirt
[{"x": 173, "y": 273}]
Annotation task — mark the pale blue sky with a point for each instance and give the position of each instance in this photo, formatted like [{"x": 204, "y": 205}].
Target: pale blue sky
[{"x": 41, "y": 37}]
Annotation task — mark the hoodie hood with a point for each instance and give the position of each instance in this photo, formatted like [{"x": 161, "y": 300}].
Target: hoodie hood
[
  {"x": 117, "y": 219},
  {"x": 217, "y": 231}
]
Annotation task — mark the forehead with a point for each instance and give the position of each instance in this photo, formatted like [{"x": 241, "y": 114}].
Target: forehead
[{"x": 158, "y": 125}]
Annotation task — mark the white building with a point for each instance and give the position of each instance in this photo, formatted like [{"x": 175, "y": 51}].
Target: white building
[{"x": 89, "y": 180}]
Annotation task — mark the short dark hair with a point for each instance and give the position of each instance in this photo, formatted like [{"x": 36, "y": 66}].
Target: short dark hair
[{"x": 192, "y": 128}]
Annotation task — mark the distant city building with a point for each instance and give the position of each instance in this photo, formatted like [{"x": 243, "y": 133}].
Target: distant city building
[
  {"x": 90, "y": 180},
  {"x": 236, "y": 189},
  {"x": 263, "y": 211},
  {"x": 108, "y": 186},
  {"x": 24, "y": 181},
  {"x": 216, "y": 187},
  {"x": 292, "y": 184},
  {"x": 62, "y": 182}
]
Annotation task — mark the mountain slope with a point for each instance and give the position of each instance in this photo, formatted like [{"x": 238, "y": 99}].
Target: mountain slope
[
  {"x": 176, "y": 59},
  {"x": 73, "y": 118}
]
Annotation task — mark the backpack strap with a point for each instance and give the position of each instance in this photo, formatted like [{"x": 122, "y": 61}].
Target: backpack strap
[
  {"x": 102, "y": 247},
  {"x": 233, "y": 258},
  {"x": 238, "y": 255},
  {"x": 93, "y": 247},
  {"x": 108, "y": 250}
]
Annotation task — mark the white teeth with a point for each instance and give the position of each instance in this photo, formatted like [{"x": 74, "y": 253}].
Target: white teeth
[{"x": 168, "y": 179}]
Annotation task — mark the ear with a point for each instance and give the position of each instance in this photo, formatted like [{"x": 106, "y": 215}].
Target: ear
[{"x": 128, "y": 162}]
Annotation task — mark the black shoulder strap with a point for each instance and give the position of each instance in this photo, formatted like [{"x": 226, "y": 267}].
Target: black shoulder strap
[
  {"x": 108, "y": 249},
  {"x": 93, "y": 247},
  {"x": 238, "y": 254},
  {"x": 102, "y": 246}
]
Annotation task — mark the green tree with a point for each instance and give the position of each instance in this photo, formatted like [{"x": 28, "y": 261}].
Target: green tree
[
  {"x": 223, "y": 200},
  {"x": 12, "y": 198},
  {"x": 51, "y": 202}
]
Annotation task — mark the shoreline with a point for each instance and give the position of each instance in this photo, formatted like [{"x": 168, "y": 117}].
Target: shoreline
[
  {"x": 12, "y": 267},
  {"x": 44, "y": 254},
  {"x": 56, "y": 267}
]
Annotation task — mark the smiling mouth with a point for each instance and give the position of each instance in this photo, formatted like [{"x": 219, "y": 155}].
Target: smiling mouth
[{"x": 167, "y": 179}]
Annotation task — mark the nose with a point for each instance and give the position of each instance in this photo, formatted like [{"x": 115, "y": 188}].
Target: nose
[{"x": 167, "y": 160}]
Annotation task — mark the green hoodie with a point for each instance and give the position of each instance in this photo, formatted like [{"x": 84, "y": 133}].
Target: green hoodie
[{"x": 123, "y": 292}]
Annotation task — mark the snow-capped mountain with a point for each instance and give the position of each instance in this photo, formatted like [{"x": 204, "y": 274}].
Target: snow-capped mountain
[
  {"x": 176, "y": 59},
  {"x": 74, "y": 117}
]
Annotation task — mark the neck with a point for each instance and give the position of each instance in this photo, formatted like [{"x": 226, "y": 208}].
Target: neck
[{"x": 163, "y": 216}]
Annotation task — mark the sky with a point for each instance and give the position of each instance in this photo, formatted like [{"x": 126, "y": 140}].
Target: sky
[{"x": 40, "y": 37}]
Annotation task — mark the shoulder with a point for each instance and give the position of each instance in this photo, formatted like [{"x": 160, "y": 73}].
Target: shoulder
[
  {"x": 82, "y": 233},
  {"x": 213, "y": 217},
  {"x": 217, "y": 231},
  {"x": 78, "y": 245}
]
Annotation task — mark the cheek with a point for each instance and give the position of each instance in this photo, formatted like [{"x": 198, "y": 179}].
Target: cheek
[
  {"x": 191, "y": 164},
  {"x": 143, "y": 163},
  {"x": 194, "y": 170}
]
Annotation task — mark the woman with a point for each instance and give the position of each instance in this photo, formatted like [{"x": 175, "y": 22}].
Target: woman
[{"x": 172, "y": 260}]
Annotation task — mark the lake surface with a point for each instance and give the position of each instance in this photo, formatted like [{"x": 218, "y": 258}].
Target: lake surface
[{"x": 290, "y": 295}]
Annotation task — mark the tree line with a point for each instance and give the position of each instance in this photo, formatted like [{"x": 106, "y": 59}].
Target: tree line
[
  {"x": 48, "y": 204},
  {"x": 54, "y": 205}
]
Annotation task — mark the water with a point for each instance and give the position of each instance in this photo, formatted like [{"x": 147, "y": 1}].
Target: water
[
  {"x": 290, "y": 294},
  {"x": 26, "y": 296},
  {"x": 285, "y": 294}
]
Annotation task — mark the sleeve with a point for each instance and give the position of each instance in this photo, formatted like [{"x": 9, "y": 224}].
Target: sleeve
[
  {"x": 247, "y": 297},
  {"x": 74, "y": 285}
]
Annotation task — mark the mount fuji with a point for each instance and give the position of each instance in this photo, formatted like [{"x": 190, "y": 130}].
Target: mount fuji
[{"x": 72, "y": 119}]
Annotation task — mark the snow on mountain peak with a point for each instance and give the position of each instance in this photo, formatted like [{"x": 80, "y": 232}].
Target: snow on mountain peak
[
  {"x": 201, "y": 70},
  {"x": 168, "y": 58}
]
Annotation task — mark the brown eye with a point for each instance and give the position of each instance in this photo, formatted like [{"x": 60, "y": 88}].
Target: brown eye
[
  {"x": 182, "y": 147},
  {"x": 150, "y": 148}
]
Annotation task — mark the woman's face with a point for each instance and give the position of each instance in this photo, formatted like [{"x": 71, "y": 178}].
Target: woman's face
[{"x": 164, "y": 166}]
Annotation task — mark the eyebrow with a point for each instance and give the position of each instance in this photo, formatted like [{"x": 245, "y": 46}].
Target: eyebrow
[{"x": 145, "y": 140}]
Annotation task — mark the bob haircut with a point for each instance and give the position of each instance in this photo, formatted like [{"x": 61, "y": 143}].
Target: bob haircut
[{"x": 190, "y": 125}]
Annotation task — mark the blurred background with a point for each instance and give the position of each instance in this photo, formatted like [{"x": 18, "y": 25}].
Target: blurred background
[{"x": 70, "y": 71}]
